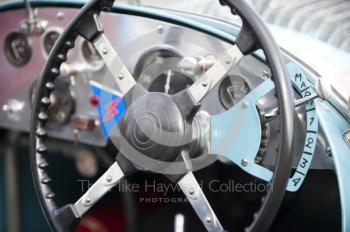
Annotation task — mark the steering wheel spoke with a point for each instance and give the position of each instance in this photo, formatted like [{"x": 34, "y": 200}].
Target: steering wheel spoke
[
  {"x": 214, "y": 75},
  {"x": 68, "y": 216},
  {"x": 114, "y": 64},
  {"x": 236, "y": 133},
  {"x": 193, "y": 192},
  {"x": 103, "y": 185}
]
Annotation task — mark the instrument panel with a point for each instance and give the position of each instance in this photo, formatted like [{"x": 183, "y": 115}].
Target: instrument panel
[
  {"x": 157, "y": 54},
  {"x": 150, "y": 49}
]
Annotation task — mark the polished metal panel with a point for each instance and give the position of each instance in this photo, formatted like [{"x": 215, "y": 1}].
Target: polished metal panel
[
  {"x": 199, "y": 202},
  {"x": 215, "y": 74},
  {"x": 103, "y": 185},
  {"x": 114, "y": 64}
]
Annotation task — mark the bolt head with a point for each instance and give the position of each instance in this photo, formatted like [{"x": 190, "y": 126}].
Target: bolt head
[
  {"x": 204, "y": 84},
  {"x": 191, "y": 191},
  {"x": 121, "y": 76}
]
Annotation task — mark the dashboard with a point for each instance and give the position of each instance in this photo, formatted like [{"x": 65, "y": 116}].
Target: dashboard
[
  {"x": 153, "y": 50},
  {"x": 163, "y": 57}
]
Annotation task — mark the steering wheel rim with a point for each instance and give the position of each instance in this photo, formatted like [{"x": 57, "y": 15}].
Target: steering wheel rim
[{"x": 254, "y": 35}]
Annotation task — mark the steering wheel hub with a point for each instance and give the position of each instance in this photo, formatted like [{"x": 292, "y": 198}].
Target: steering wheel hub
[{"x": 154, "y": 125}]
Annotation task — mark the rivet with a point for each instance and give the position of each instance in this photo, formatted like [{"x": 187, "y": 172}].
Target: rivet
[
  {"x": 191, "y": 191},
  {"x": 208, "y": 220},
  {"x": 109, "y": 179},
  {"x": 160, "y": 29},
  {"x": 265, "y": 75},
  {"x": 204, "y": 84},
  {"x": 104, "y": 50},
  {"x": 121, "y": 76},
  {"x": 87, "y": 200},
  {"x": 245, "y": 104},
  {"x": 244, "y": 162},
  {"x": 60, "y": 15}
]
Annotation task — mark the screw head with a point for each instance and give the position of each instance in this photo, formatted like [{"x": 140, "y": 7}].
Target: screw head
[
  {"x": 204, "y": 84},
  {"x": 244, "y": 162},
  {"x": 121, "y": 76},
  {"x": 191, "y": 191}
]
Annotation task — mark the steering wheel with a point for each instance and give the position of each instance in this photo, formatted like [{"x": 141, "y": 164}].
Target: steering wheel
[{"x": 156, "y": 129}]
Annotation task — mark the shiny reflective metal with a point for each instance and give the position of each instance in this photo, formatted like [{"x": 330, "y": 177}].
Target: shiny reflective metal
[
  {"x": 323, "y": 89},
  {"x": 198, "y": 65},
  {"x": 32, "y": 25},
  {"x": 104, "y": 184},
  {"x": 347, "y": 137},
  {"x": 269, "y": 116},
  {"x": 114, "y": 63},
  {"x": 305, "y": 100},
  {"x": 187, "y": 159},
  {"x": 13, "y": 106},
  {"x": 214, "y": 75},
  {"x": 199, "y": 202}
]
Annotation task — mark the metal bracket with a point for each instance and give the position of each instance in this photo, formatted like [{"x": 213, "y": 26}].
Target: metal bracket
[
  {"x": 236, "y": 133},
  {"x": 32, "y": 25}
]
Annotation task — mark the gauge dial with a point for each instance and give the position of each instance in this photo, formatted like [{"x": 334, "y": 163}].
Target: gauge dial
[
  {"x": 232, "y": 90},
  {"x": 49, "y": 39},
  {"x": 157, "y": 72},
  {"x": 17, "y": 49},
  {"x": 91, "y": 55}
]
